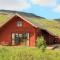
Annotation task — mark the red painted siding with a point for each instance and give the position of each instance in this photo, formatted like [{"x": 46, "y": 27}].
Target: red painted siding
[{"x": 11, "y": 27}]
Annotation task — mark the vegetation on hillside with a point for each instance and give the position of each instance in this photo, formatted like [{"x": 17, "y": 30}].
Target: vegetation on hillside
[
  {"x": 21, "y": 13},
  {"x": 57, "y": 20}
]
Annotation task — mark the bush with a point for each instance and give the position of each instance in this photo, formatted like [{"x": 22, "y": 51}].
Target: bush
[{"x": 41, "y": 43}]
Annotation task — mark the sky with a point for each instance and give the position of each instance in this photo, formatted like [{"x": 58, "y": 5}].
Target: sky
[{"x": 49, "y": 9}]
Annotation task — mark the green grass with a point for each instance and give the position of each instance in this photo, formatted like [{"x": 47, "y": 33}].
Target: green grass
[{"x": 26, "y": 53}]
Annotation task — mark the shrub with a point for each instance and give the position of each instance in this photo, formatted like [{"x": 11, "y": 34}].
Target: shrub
[{"x": 41, "y": 43}]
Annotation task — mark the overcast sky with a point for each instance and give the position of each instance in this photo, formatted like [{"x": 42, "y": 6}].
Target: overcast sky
[{"x": 46, "y": 8}]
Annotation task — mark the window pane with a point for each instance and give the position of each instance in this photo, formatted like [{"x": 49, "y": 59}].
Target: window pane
[
  {"x": 19, "y": 23},
  {"x": 20, "y": 35},
  {"x": 16, "y": 35},
  {"x": 26, "y": 36}
]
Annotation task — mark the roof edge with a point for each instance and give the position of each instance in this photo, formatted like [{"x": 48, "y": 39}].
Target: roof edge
[{"x": 26, "y": 20}]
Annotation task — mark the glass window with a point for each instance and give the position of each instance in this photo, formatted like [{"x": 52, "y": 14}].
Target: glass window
[
  {"x": 16, "y": 35},
  {"x": 20, "y": 35},
  {"x": 20, "y": 38},
  {"x": 19, "y": 23},
  {"x": 26, "y": 36}
]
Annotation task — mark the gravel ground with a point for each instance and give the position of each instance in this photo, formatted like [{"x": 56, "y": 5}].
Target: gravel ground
[{"x": 54, "y": 47}]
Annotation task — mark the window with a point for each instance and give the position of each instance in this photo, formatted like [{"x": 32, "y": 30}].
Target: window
[
  {"x": 26, "y": 36},
  {"x": 18, "y": 38},
  {"x": 20, "y": 35},
  {"x": 16, "y": 35},
  {"x": 19, "y": 23}
]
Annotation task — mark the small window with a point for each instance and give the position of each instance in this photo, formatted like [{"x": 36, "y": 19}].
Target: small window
[{"x": 19, "y": 23}]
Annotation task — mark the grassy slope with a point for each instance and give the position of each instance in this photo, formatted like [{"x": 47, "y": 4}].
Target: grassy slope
[
  {"x": 57, "y": 20},
  {"x": 25, "y": 53}
]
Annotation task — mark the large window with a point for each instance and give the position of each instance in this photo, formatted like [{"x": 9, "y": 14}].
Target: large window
[
  {"x": 19, "y": 23},
  {"x": 20, "y": 38}
]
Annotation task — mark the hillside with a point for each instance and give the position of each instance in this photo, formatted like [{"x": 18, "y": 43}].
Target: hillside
[
  {"x": 52, "y": 27},
  {"x": 57, "y": 20},
  {"x": 22, "y": 13}
]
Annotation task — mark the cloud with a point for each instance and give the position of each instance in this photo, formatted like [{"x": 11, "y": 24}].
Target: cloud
[
  {"x": 49, "y": 4},
  {"x": 14, "y": 4},
  {"x": 57, "y": 9},
  {"x": 45, "y": 3}
]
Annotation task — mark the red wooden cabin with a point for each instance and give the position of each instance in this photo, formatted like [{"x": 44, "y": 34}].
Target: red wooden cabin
[{"x": 17, "y": 30}]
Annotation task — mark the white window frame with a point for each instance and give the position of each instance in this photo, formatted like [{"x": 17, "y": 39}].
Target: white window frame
[
  {"x": 13, "y": 36},
  {"x": 19, "y": 23}
]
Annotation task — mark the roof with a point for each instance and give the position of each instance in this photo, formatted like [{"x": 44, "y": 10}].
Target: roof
[
  {"x": 4, "y": 18},
  {"x": 52, "y": 27}
]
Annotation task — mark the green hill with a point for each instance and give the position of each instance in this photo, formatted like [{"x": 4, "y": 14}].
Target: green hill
[
  {"x": 19, "y": 12},
  {"x": 57, "y": 20}
]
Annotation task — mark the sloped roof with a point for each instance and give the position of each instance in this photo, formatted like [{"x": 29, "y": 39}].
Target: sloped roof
[
  {"x": 52, "y": 27},
  {"x": 4, "y": 18}
]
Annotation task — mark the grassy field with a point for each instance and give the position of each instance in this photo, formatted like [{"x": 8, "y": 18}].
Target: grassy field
[{"x": 26, "y": 53}]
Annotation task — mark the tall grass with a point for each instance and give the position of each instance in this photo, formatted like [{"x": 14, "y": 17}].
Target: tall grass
[{"x": 26, "y": 53}]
